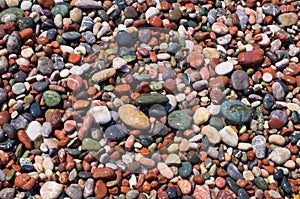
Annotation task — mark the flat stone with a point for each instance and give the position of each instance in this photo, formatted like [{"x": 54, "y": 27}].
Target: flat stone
[
  {"x": 173, "y": 159},
  {"x": 74, "y": 191},
  {"x": 236, "y": 112},
  {"x": 288, "y": 19},
  {"x": 116, "y": 132},
  {"x": 152, "y": 98},
  {"x": 14, "y": 42},
  {"x": 52, "y": 98},
  {"x": 278, "y": 91},
  {"x": 133, "y": 117},
  {"x": 201, "y": 116},
  {"x": 280, "y": 155},
  {"x": 229, "y": 136},
  {"x": 7, "y": 193},
  {"x": 51, "y": 190},
  {"x": 212, "y": 134},
  {"x": 90, "y": 144},
  {"x": 104, "y": 75},
  {"x": 259, "y": 146},
  {"x": 34, "y": 130},
  {"x": 165, "y": 170},
  {"x": 45, "y": 66},
  {"x": 179, "y": 120},
  {"x": 101, "y": 114},
  {"x": 224, "y": 68},
  {"x": 233, "y": 172},
  {"x": 251, "y": 58},
  {"x": 240, "y": 80}
]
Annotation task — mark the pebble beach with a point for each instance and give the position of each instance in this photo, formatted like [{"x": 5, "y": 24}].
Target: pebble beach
[{"x": 149, "y": 99}]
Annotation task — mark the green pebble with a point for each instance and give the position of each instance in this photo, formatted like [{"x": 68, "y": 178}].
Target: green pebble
[
  {"x": 90, "y": 144},
  {"x": 28, "y": 99},
  {"x": 16, "y": 11},
  {"x": 38, "y": 141},
  {"x": 25, "y": 22},
  {"x": 19, "y": 150},
  {"x": 294, "y": 175},
  {"x": 212, "y": 170},
  {"x": 9, "y": 17},
  {"x": 290, "y": 95},
  {"x": 10, "y": 174},
  {"x": 179, "y": 120},
  {"x": 154, "y": 98},
  {"x": 100, "y": 65},
  {"x": 173, "y": 61},
  {"x": 78, "y": 166},
  {"x": 52, "y": 98},
  {"x": 256, "y": 26},
  {"x": 203, "y": 11},
  {"x": 129, "y": 58},
  {"x": 261, "y": 183},
  {"x": 109, "y": 88},
  {"x": 206, "y": 176},
  {"x": 185, "y": 170},
  {"x": 250, "y": 71},
  {"x": 156, "y": 86},
  {"x": 146, "y": 60},
  {"x": 18, "y": 88},
  {"x": 73, "y": 152},
  {"x": 152, "y": 147},
  {"x": 25, "y": 154},
  {"x": 60, "y": 40},
  {"x": 216, "y": 122},
  {"x": 60, "y": 9},
  {"x": 73, "y": 175},
  {"x": 72, "y": 35}
]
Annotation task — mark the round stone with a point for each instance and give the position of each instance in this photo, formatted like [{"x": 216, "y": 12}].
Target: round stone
[
  {"x": 212, "y": 134},
  {"x": 51, "y": 189},
  {"x": 224, "y": 68},
  {"x": 133, "y": 117},
  {"x": 240, "y": 80},
  {"x": 116, "y": 132},
  {"x": 288, "y": 19},
  {"x": 52, "y": 98},
  {"x": 101, "y": 114},
  {"x": 175, "y": 15},
  {"x": 179, "y": 120},
  {"x": 219, "y": 28},
  {"x": 280, "y": 155},
  {"x": 236, "y": 112},
  {"x": 229, "y": 136},
  {"x": 18, "y": 88},
  {"x": 90, "y": 144}
]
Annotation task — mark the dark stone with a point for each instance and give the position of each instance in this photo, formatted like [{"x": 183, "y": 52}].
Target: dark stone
[
  {"x": 116, "y": 132},
  {"x": 35, "y": 110}
]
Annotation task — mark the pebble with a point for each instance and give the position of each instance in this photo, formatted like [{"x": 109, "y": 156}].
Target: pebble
[
  {"x": 33, "y": 130},
  {"x": 279, "y": 155},
  {"x": 288, "y": 19},
  {"x": 271, "y": 9},
  {"x": 240, "y": 80},
  {"x": 116, "y": 132},
  {"x": 101, "y": 114},
  {"x": 219, "y": 28},
  {"x": 52, "y": 98},
  {"x": 233, "y": 172},
  {"x": 224, "y": 68},
  {"x": 201, "y": 115},
  {"x": 74, "y": 191},
  {"x": 212, "y": 134},
  {"x": 259, "y": 146},
  {"x": 7, "y": 193},
  {"x": 179, "y": 120},
  {"x": 235, "y": 112},
  {"x": 14, "y": 42},
  {"x": 51, "y": 189}
]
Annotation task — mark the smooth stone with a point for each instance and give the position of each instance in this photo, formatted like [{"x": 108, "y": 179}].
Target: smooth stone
[
  {"x": 243, "y": 18},
  {"x": 261, "y": 183},
  {"x": 251, "y": 58},
  {"x": 185, "y": 170},
  {"x": 18, "y": 88},
  {"x": 34, "y": 130},
  {"x": 179, "y": 120},
  {"x": 278, "y": 91},
  {"x": 35, "y": 110},
  {"x": 132, "y": 194},
  {"x": 123, "y": 38},
  {"x": 259, "y": 146},
  {"x": 277, "y": 140},
  {"x": 89, "y": 187},
  {"x": 52, "y": 98},
  {"x": 16, "y": 11},
  {"x": 175, "y": 15},
  {"x": 152, "y": 98},
  {"x": 45, "y": 65},
  {"x": 151, "y": 11},
  {"x": 236, "y": 112},
  {"x": 61, "y": 9},
  {"x": 74, "y": 191},
  {"x": 3, "y": 95},
  {"x": 279, "y": 114},
  {"x": 271, "y": 9},
  {"x": 3, "y": 66},
  {"x": 212, "y": 134},
  {"x": 233, "y": 172},
  {"x": 201, "y": 116},
  {"x": 133, "y": 117},
  {"x": 104, "y": 75},
  {"x": 173, "y": 159},
  {"x": 268, "y": 101},
  {"x": 243, "y": 194},
  {"x": 72, "y": 35},
  {"x": 19, "y": 123},
  {"x": 116, "y": 132},
  {"x": 157, "y": 111},
  {"x": 286, "y": 186},
  {"x": 279, "y": 155},
  {"x": 25, "y": 22},
  {"x": 288, "y": 19},
  {"x": 240, "y": 80},
  {"x": 88, "y": 4},
  {"x": 7, "y": 193},
  {"x": 219, "y": 28},
  {"x": 13, "y": 43},
  {"x": 224, "y": 68},
  {"x": 229, "y": 136},
  {"x": 90, "y": 144},
  {"x": 165, "y": 170},
  {"x": 130, "y": 13},
  {"x": 51, "y": 190},
  {"x": 101, "y": 114}
]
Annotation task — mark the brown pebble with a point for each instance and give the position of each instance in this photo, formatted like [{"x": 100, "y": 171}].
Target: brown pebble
[{"x": 100, "y": 189}]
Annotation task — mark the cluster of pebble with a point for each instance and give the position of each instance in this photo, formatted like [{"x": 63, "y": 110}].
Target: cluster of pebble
[{"x": 149, "y": 99}]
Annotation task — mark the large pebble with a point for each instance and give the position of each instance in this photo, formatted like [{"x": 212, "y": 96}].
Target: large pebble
[
  {"x": 280, "y": 155},
  {"x": 51, "y": 190},
  {"x": 229, "y": 136}
]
